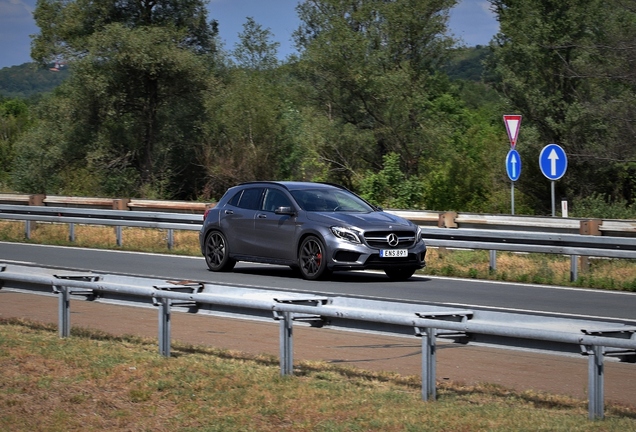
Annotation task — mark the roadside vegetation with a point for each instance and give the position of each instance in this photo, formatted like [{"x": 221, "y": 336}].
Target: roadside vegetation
[
  {"x": 550, "y": 269},
  {"x": 96, "y": 381},
  {"x": 147, "y": 102}
]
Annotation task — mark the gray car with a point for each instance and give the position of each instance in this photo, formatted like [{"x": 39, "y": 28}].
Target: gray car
[{"x": 316, "y": 228}]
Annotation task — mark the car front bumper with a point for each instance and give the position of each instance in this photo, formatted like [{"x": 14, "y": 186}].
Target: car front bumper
[{"x": 349, "y": 256}]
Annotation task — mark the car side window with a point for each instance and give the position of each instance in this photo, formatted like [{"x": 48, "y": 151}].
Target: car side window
[
  {"x": 275, "y": 199},
  {"x": 248, "y": 199},
  {"x": 235, "y": 199}
]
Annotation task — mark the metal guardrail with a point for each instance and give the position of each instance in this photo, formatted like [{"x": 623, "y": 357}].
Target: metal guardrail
[
  {"x": 104, "y": 203},
  {"x": 574, "y": 237},
  {"x": 115, "y": 218},
  {"x": 595, "y": 339},
  {"x": 425, "y": 218}
]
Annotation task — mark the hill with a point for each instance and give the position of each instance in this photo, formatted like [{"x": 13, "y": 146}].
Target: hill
[
  {"x": 29, "y": 79},
  {"x": 467, "y": 63}
]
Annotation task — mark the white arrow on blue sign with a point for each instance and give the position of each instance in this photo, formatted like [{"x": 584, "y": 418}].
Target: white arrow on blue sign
[
  {"x": 553, "y": 161},
  {"x": 513, "y": 165}
]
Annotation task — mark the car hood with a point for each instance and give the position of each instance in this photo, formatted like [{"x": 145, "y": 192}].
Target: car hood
[{"x": 365, "y": 221}]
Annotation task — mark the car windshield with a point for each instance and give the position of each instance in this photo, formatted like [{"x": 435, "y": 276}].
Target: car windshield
[{"x": 330, "y": 200}]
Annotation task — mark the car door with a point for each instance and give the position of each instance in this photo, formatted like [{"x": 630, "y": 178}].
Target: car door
[
  {"x": 275, "y": 234},
  {"x": 237, "y": 220}
]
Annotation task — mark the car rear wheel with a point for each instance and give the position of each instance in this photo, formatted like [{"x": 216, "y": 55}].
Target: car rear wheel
[
  {"x": 399, "y": 274},
  {"x": 312, "y": 262},
  {"x": 217, "y": 252}
]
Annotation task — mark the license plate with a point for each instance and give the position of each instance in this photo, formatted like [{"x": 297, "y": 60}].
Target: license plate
[{"x": 393, "y": 253}]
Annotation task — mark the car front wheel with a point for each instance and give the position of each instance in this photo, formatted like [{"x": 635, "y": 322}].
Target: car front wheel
[
  {"x": 217, "y": 252},
  {"x": 399, "y": 274},
  {"x": 312, "y": 261}
]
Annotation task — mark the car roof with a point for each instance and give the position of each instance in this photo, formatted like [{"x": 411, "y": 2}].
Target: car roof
[{"x": 296, "y": 185}]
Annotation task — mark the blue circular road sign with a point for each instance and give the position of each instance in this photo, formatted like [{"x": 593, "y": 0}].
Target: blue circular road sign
[
  {"x": 513, "y": 165},
  {"x": 553, "y": 161}
]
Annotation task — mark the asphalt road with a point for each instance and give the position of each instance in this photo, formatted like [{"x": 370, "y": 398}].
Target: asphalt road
[{"x": 584, "y": 303}]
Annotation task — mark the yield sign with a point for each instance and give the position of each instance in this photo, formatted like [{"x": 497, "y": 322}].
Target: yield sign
[{"x": 512, "y": 122}]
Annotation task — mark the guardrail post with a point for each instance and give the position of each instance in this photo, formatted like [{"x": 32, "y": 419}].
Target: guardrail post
[
  {"x": 447, "y": 220},
  {"x": 118, "y": 236},
  {"x": 286, "y": 344},
  {"x": 120, "y": 204},
  {"x": 170, "y": 238},
  {"x": 64, "y": 300},
  {"x": 429, "y": 364},
  {"x": 493, "y": 260},
  {"x": 164, "y": 326},
  {"x": 596, "y": 370},
  {"x": 286, "y": 319},
  {"x": 34, "y": 200},
  {"x": 596, "y": 385},
  {"x": 589, "y": 227},
  {"x": 429, "y": 351},
  {"x": 71, "y": 232},
  {"x": 574, "y": 268},
  {"x": 64, "y": 311},
  {"x": 165, "y": 304}
]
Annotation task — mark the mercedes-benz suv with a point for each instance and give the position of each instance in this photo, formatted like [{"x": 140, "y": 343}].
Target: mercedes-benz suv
[{"x": 316, "y": 228}]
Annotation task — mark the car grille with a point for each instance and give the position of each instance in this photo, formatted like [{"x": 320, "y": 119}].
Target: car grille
[{"x": 380, "y": 239}]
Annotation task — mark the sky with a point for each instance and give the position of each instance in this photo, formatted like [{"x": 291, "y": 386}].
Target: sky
[{"x": 470, "y": 20}]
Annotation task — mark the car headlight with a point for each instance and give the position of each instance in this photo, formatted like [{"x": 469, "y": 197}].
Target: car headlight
[
  {"x": 348, "y": 234},
  {"x": 418, "y": 235}
]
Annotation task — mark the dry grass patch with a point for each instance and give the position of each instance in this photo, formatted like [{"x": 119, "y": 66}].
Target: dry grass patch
[
  {"x": 104, "y": 237},
  {"x": 551, "y": 269}
]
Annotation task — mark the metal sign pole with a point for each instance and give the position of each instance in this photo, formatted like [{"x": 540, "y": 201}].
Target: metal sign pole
[
  {"x": 512, "y": 197},
  {"x": 553, "y": 163},
  {"x": 553, "y": 199}
]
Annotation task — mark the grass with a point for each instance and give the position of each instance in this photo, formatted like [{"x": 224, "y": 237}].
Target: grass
[
  {"x": 96, "y": 381},
  {"x": 548, "y": 269},
  {"x": 611, "y": 274}
]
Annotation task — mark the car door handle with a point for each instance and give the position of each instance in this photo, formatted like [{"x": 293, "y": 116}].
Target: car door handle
[
  {"x": 261, "y": 216},
  {"x": 229, "y": 212}
]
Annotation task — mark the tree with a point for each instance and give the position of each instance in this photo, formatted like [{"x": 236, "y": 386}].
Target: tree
[
  {"x": 15, "y": 120},
  {"x": 243, "y": 130},
  {"x": 372, "y": 65},
  {"x": 374, "y": 70},
  {"x": 255, "y": 49},
  {"x": 140, "y": 76},
  {"x": 565, "y": 67},
  {"x": 66, "y": 25}
]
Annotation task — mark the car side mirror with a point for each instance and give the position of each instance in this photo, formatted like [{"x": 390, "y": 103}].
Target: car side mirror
[{"x": 285, "y": 211}]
